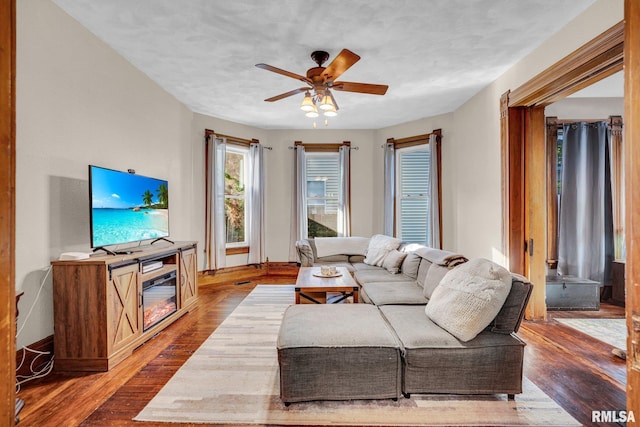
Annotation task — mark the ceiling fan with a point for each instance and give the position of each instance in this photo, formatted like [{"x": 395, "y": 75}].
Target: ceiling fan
[{"x": 321, "y": 80}]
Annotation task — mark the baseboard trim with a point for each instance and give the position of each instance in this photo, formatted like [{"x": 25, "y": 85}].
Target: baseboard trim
[{"x": 38, "y": 360}]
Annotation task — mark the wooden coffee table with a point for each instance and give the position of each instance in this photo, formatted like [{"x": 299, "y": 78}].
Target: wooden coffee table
[{"x": 313, "y": 289}]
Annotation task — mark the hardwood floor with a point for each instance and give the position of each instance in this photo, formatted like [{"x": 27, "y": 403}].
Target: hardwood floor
[{"x": 577, "y": 371}]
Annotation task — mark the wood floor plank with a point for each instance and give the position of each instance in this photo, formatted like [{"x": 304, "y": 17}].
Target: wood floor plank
[{"x": 575, "y": 370}]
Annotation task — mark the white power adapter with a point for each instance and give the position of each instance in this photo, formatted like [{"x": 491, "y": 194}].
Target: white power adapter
[{"x": 73, "y": 256}]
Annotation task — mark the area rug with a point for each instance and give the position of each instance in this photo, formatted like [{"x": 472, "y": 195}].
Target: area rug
[
  {"x": 233, "y": 379},
  {"x": 610, "y": 331}
]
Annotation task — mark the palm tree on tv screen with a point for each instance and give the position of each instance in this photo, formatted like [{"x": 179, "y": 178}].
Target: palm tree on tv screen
[
  {"x": 147, "y": 198},
  {"x": 163, "y": 196}
]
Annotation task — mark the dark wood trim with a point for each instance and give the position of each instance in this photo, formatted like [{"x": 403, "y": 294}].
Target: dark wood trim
[
  {"x": 512, "y": 131},
  {"x": 617, "y": 179},
  {"x": 237, "y": 250},
  {"x": 234, "y": 140},
  {"x": 438, "y": 133},
  {"x": 597, "y": 59},
  {"x": 319, "y": 148},
  {"x": 7, "y": 209},
  {"x": 552, "y": 124},
  {"x": 412, "y": 141},
  {"x": 535, "y": 204},
  {"x": 632, "y": 198},
  {"x": 207, "y": 192}
]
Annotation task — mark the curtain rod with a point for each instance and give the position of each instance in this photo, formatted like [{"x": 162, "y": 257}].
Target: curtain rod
[{"x": 293, "y": 147}]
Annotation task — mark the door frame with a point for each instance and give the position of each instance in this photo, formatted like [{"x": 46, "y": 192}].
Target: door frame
[{"x": 7, "y": 210}]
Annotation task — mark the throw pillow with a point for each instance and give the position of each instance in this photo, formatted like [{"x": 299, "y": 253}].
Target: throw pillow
[
  {"x": 379, "y": 246},
  {"x": 411, "y": 264},
  {"x": 469, "y": 297},
  {"x": 393, "y": 261}
]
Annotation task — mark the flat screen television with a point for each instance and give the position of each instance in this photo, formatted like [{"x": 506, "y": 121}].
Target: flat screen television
[{"x": 126, "y": 207}]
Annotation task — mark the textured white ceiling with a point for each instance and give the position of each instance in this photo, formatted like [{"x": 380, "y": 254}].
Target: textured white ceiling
[{"x": 433, "y": 54}]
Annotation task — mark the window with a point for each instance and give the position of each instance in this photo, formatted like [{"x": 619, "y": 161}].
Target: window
[
  {"x": 235, "y": 197},
  {"x": 412, "y": 193},
  {"x": 323, "y": 187}
]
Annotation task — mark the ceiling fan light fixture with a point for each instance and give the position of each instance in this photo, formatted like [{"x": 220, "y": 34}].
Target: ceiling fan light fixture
[
  {"x": 313, "y": 113},
  {"x": 330, "y": 113},
  {"x": 307, "y": 103},
  {"x": 327, "y": 103}
]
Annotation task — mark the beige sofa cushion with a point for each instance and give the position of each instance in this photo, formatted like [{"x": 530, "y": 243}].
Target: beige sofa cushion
[
  {"x": 393, "y": 261},
  {"x": 469, "y": 297},
  {"x": 379, "y": 246},
  {"x": 410, "y": 265},
  {"x": 434, "y": 277},
  {"x": 425, "y": 265}
]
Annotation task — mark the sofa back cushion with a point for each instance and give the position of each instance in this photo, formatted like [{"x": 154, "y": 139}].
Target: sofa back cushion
[
  {"x": 410, "y": 265},
  {"x": 330, "y": 258},
  {"x": 469, "y": 297},
  {"x": 512, "y": 312},
  {"x": 434, "y": 276},
  {"x": 425, "y": 265}
]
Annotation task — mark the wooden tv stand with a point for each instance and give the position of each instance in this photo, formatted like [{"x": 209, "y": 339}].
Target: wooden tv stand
[{"x": 98, "y": 303}]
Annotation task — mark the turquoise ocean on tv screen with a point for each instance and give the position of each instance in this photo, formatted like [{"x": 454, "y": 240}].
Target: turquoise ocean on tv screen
[{"x": 112, "y": 226}]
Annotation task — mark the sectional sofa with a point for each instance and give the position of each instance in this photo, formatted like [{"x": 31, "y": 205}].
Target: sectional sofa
[{"x": 412, "y": 336}]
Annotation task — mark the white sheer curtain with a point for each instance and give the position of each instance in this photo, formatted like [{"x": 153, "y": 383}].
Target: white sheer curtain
[
  {"x": 585, "y": 226},
  {"x": 215, "y": 235},
  {"x": 299, "y": 224},
  {"x": 255, "y": 208},
  {"x": 344, "y": 226},
  {"x": 434, "y": 199},
  {"x": 389, "y": 188}
]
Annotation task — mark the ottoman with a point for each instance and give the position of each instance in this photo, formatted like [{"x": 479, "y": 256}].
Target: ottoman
[{"x": 337, "y": 352}]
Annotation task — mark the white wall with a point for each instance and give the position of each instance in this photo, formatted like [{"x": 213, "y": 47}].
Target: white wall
[{"x": 79, "y": 103}]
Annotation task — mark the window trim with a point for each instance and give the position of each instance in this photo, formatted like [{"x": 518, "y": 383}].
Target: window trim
[
  {"x": 399, "y": 143},
  {"x": 244, "y": 151},
  {"x": 329, "y": 148}
]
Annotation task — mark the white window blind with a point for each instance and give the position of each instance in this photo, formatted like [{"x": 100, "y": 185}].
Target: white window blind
[
  {"x": 412, "y": 202},
  {"x": 323, "y": 186}
]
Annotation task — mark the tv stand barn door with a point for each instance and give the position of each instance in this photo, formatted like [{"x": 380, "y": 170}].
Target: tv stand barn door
[
  {"x": 99, "y": 303},
  {"x": 123, "y": 320}
]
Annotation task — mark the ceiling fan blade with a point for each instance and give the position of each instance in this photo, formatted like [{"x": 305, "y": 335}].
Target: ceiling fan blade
[
  {"x": 284, "y": 95},
  {"x": 284, "y": 72},
  {"x": 340, "y": 64},
  {"x": 360, "y": 88}
]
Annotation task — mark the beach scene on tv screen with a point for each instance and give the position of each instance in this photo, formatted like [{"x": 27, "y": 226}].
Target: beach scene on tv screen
[{"x": 127, "y": 208}]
